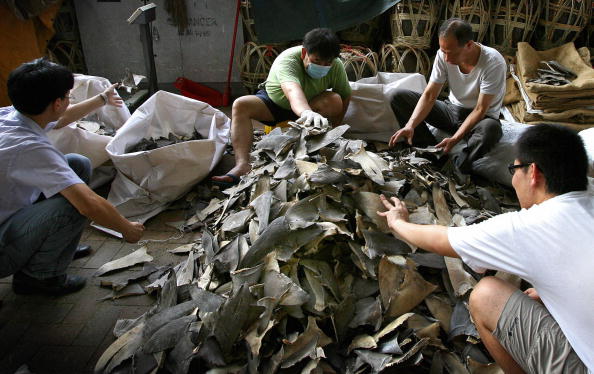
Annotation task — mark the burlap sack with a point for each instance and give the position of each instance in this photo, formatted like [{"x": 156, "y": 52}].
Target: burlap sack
[
  {"x": 520, "y": 114},
  {"x": 568, "y": 56},
  {"x": 512, "y": 94}
]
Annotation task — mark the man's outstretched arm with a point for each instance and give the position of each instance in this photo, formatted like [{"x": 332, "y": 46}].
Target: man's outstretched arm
[
  {"x": 77, "y": 111},
  {"x": 433, "y": 238}
]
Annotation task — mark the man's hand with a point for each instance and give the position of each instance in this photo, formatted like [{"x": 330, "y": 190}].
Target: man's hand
[
  {"x": 397, "y": 210},
  {"x": 309, "y": 116},
  {"x": 134, "y": 233},
  {"x": 406, "y": 132},
  {"x": 112, "y": 96},
  {"x": 531, "y": 292},
  {"x": 447, "y": 144}
]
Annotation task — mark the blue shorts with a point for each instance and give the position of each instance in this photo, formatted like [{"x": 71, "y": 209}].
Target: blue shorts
[{"x": 279, "y": 113}]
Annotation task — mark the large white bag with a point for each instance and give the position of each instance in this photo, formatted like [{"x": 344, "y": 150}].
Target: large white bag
[
  {"x": 148, "y": 181},
  {"x": 369, "y": 113},
  {"x": 588, "y": 139},
  {"x": 72, "y": 139}
]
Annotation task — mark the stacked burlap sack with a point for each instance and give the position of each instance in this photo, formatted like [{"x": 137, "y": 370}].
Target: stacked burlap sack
[{"x": 570, "y": 105}]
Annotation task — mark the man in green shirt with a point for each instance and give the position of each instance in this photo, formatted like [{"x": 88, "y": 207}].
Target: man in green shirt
[{"x": 297, "y": 89}]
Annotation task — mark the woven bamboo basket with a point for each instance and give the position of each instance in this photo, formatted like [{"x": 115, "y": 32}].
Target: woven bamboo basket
[
  {"x": 590, "y": 35},
  {"x": 248, "y": 21},
  {"x": 359, "y": 62},
  {"x": 560, "y": 22},
  {"x": 413, "y": 22},
  {"x": 254, "y": 64},
  {"x": 475, "y": 12},
  {"x": 404, "y": 59},
  {"x": 512, "y": 21},
  {"x": 362, "y": 34},
  {"x": 590, "y": 29}
]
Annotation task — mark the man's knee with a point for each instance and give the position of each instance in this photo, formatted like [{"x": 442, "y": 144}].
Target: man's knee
[
  {"x": 404, "y": 96},
  {"x": 490, "y": 129},
  {"x": 328, "y": 104},
  {"x": 245, "y": 106},
  {"x": 58, "y": 208},
  {"x": 403, "y": 100},
  {"x": 488, "y": 298},
  {"x": 81, "y": 165},
  {"x": 249, "y": 107},
  {"x": 240, "y": 105}
]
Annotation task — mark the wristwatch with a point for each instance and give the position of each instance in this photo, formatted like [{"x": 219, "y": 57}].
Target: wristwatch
[{"x": 104, "y": 97}]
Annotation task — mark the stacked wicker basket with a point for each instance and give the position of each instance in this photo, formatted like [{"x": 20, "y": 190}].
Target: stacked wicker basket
[
  {"x": 255, "y": 59},
  {"x": 412, "y": 26},
  {"x": 359, "y": 60},
  {"x": 413, "y": 23}
]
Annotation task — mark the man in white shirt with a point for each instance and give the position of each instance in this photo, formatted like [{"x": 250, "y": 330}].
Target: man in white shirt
[
  {"x": 476, "y": 77},
  {"x": 549, "y": 243}
]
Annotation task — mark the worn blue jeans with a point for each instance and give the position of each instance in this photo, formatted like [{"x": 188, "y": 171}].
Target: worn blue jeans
[{"x": 40, "y": 239}]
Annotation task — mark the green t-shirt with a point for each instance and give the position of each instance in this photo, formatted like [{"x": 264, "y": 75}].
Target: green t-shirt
[{"x": 288, "y": 67}]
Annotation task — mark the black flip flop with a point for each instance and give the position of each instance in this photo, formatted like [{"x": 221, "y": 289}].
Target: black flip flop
[{"x": 234, "y": 181}]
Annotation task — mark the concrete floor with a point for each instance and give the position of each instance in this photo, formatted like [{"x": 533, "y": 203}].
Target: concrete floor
[{"x": 68, "y": 334}]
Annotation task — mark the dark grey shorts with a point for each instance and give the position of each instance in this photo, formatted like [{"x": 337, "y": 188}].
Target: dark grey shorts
[
  {"x": 279, "y": 113},
  {"x": 529, "y": 333}
]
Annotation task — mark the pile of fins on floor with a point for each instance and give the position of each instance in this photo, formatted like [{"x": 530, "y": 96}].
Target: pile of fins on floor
[{"x": 296, "y": 273}]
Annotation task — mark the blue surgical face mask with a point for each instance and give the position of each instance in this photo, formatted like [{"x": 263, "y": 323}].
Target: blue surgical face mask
[{"x": 317, "y": 71}]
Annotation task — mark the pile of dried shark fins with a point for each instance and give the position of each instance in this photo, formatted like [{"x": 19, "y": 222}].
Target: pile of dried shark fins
[{"x": 296, "y": 273}]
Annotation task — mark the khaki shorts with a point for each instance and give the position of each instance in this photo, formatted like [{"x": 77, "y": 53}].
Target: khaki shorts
[{"x": 529, "y": 333}]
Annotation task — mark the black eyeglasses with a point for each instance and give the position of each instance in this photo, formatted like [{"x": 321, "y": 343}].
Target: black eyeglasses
[{"x": 512, "y": 168}]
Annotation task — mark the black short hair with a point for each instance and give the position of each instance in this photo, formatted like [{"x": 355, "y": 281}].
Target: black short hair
[
  {"x": 36, "y": 84},
  {"x": 559, "y": 153},
  {"x": 458, "y": 28},
  {"x": 323, "y": 42}
]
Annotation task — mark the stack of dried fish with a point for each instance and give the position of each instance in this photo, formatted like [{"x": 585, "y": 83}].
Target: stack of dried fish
[
  {"x": 554, "y": 74},
  {"x": 295, "y": 271},
  {"x": 149, "y": 144}
]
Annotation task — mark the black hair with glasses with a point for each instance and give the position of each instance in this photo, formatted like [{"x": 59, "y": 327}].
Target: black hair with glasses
[
  {"x": 36, "y": 84},
  {"x": 560, "y": 155},
  {"x": 322, "y": 42}
]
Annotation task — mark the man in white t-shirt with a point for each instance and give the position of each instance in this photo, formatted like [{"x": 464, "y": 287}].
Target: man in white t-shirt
[
  {"x": 476, "y": 77},
  {"x": 549, "y": 243}
]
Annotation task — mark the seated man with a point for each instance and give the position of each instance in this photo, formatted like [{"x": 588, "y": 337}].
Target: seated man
[
  {"x": 39, "y": 234},
  {"x": 296, "y": 89},
  {"x": 476, "y": 77},
  {"x": 549, "y": 328}
]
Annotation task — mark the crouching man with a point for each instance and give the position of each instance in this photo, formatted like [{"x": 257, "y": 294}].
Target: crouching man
[
  {"x": 549, "y": 243},
  {"x": 297, "y": 90},
  {"x": 44, "y": 197}
]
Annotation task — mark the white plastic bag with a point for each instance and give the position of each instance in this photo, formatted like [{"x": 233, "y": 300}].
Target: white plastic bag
[
  {"x": 588, "y": 139},
  {"x": 369, "y": 113},
  {"x": 148, "y": 181},
  {"x": 72, "y": 139},
  {"x": 86, "y": 86}
]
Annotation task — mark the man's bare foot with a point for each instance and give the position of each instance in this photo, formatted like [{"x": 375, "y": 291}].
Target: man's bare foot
[{"x": 232, "y": 177}]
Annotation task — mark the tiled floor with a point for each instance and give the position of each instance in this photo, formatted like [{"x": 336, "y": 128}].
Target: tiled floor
[{"x": 68, "y": 334}]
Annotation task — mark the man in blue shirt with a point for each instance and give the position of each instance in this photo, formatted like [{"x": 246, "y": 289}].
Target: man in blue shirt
[{"x": 44, "y": 198}]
